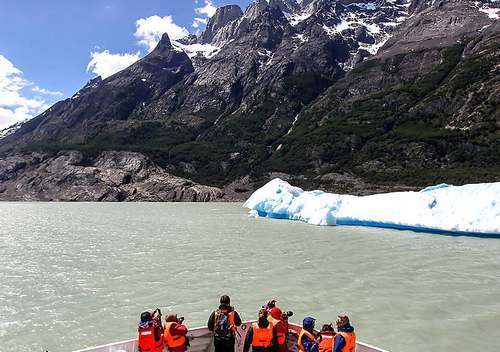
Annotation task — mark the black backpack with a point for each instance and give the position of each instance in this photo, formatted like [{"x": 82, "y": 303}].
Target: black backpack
[{"x": 223, "y": 331}]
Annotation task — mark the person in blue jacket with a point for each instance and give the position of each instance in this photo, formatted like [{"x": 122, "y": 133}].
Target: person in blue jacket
[
  {"x": 345, "y": 339},
  {"x": 307, "y": 337}
]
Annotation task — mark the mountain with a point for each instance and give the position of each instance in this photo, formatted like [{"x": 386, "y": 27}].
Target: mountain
[{"x": 349, "y": 96}]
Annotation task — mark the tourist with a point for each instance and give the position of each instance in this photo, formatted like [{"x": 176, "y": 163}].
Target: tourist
[
  {"x": 327, "y": 335},
  {"x": 275, "y": 317},
  {"x": 174, "y": 334},
  {"x": 307, "y": 339},
  {"x": 223, "y": 322},
  {"x": 345, "y": 339},
  {"x": 262, "y": 336},
  {"x": 150, "y": 332}
]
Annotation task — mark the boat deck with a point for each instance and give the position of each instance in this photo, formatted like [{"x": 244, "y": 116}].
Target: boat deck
[{"x": 200, "y": 340}]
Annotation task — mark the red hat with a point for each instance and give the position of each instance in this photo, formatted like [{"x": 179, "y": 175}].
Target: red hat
[{"x": 276, "y": 313}]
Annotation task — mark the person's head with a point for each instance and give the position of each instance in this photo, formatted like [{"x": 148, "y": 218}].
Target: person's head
[
  {"x": 327, "y": 328},
  {"x": 171, "y": 318},
  {"x": 342, "y": 321},
  {"x": 262, "y": 313},
  {"x": 308, "y": 323},
  {"x": 146, "y": 317},
  {"x": 225, "y": 300},
  {"x": 276, "y": 313}
]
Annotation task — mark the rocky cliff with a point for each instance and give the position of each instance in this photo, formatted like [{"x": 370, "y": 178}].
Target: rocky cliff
[
  {"x": 112, "y": 176},
  {"x": 350, "y": 96}
]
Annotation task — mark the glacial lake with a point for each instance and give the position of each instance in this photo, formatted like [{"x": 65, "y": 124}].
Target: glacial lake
[{"x": 74, "y": 275}]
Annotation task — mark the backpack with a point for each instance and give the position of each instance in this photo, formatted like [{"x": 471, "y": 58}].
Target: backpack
[{"x": 223, "y": 329}]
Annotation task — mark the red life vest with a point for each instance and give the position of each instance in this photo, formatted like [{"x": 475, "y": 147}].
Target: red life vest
[
  {"x": 280, "y": 329},
  {"x": 172, "y": 341},
  {"x": 326, "y": 343},
  {"x": 147, "y": 341},
  {"x": 308, "y": 335},
  {"x": 350, "y": 341},
  {"x": 262, "y": 337}
]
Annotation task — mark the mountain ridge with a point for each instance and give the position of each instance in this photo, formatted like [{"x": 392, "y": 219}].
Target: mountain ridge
[{"x": 263, "y": 99}]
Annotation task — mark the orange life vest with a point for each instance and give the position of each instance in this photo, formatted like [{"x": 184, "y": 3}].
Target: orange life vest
[
  {"x": 147, "y": 341},
  {"x": 326, "y": 343},
  {"x": 262, "y": 337},
  {"x": 279, "y": 329},
  {"x": 308, "y": 335},
  {"x": 350, "y": 341},
  {"x": 172, "y": 341}
]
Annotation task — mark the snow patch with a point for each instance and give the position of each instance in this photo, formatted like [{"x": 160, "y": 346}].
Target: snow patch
[
  {"x": 469, "y": 209},
  {"x": 206, "y": 50},
  {"x": 491, "y": 12}
]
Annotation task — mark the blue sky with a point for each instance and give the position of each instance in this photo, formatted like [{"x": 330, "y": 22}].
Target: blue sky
[{"x": 46, "y": 46}]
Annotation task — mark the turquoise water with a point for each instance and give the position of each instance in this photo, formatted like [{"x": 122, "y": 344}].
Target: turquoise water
[{"x": 79, "y": 274}]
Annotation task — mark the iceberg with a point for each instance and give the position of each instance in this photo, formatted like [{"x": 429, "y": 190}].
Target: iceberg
[{"x": 472, "y": 209}]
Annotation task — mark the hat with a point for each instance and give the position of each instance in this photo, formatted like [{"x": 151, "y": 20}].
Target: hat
[
  {"x": 308, "y": 323},
  {"x": 276, "y": 313}
]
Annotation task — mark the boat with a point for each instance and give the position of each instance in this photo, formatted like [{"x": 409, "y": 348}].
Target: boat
[{"x": 200, "y": 340}]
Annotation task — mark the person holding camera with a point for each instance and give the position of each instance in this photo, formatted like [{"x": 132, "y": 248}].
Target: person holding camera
[
  {"x": 174, "y": 334},
  {"x": 262, "y": 336},
  {"x": 275, "y": 317},
  {"x": 150, "y": 332}
]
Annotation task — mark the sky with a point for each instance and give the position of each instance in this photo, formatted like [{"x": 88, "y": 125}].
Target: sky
[{"x": 49, "y": 49}]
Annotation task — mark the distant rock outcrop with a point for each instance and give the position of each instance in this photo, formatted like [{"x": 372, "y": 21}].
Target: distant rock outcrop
[{"x": 113, "y": 176}]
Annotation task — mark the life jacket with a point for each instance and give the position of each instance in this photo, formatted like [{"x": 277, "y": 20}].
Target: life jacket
[
  {"x": 308, "y": 335},
  {"x": 224, "y": 327},
  {"x": 326, "y": 343},
  {"x": 172, "y": 341},
  {"x": 147, "y": 341},
  {"x": 350, "y": 341},
  {"x": 262, "y": 337},
  {"x": 280, "y": 329}
]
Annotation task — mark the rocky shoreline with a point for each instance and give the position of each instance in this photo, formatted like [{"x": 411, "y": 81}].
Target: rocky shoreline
[{"x": 113, "y": 176}]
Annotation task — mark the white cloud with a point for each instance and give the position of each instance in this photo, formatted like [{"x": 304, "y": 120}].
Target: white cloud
[
  {"x": 105, "y": 64},
  {"x": 197, "y": 22},
  {"x": 44, "y": 91},
  {"x": 150, "y": 29},
  {"x": 15, "y": 103},
  {"x": 209, "y": 9}
]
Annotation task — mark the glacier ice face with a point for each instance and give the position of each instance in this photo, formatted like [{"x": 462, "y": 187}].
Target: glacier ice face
[{"x": 468, "y": 209}]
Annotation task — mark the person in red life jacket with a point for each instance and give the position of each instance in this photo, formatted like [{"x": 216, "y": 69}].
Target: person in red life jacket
[
  {"x": 327, "y": 335},
  {"x": 174, "y": 334},
  {"x": 275, "y": 317},
  {"x": 262, "y": 336},
  {"x": 224, "y": 322},
  {"x": 345, "y": 339},
  {"x": 307, "y": 338},
  {"x": 150, "y": 332}
]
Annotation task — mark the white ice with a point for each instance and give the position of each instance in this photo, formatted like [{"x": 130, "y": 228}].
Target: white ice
[{"x": 468, "y": 209}]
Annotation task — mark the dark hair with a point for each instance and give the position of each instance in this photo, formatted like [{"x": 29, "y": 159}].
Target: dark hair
[
  {"x": 145, "y": 317},
  {"x": 225, "y": 300},
  {"x": 327, "y": 328}
]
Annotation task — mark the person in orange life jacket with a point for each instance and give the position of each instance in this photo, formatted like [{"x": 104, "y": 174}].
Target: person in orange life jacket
[
  {"x": 307, "y": 339},
  {"x": 345, "y": 339},
  {"x": 262, "y": 336},
  {"x": 275, "y": 316},
  {"x": 174, "y": 334},
  {"x": 223, "y": 322},
  {"x": 150, "y": 332},
  {"x": 327, "y": 334}
]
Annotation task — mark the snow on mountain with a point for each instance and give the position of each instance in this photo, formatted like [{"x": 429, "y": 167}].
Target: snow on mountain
[
  {"x": 11, "y": 129},
  {"x": 469, "y": 209}
]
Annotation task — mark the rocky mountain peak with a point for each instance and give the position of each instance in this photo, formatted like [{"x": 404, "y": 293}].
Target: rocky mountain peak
[
  {"x": 164, "y": 45},
  {"x": 221, "y": 18}
]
